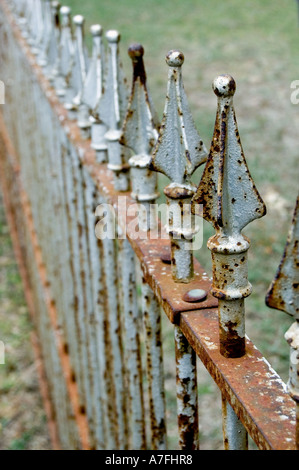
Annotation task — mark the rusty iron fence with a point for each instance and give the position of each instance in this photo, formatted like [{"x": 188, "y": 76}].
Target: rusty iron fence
[{"x": 80, "y": 155}]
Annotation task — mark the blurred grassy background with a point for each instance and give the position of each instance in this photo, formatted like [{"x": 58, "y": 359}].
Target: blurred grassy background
[{"x": 257, "y": 43}]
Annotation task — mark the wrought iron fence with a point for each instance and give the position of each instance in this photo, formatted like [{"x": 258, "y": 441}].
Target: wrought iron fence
[{"x": 79, "y": 162}]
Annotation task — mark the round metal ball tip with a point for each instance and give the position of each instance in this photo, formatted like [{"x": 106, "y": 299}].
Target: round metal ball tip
[
  {"x": 224, "y": 86},
  {"x": 78, "y": 20},
  {"x": 135, "y": 51},
  {"x": 65, "y": 10},
  {"x": 96, "y": 30},
  {"x": 112, "y": 35},
  {"x": 175, "y": 58}
]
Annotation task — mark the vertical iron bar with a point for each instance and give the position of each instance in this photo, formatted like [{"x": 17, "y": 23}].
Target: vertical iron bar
[
  {"x": 132, "y": 345},
  {"x": 139, "y": 133},
  {"x": 179, "y": 151},
  {"x": 283, "y": 294},
  {"x": 229, "y": 201},
  {"x": 113, "y": 321}
]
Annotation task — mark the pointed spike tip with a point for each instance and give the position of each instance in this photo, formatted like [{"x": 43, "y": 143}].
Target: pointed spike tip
[
  {"x": 224, "y": 86},
  {"x": 175, "y": 58},
  {"x": 113, "y": 36},
  {"x": 135, "y": 51}
]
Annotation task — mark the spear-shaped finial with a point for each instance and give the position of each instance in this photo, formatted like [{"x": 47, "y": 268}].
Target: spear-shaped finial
[
  {"x": 111, "y": 110},
  {"x": 65, "y": 56},
  {"x": 229, "y": 201},
  {"x": 140, "y": 133},
  {"x": 283, "y": 294},
  {"x": 52, "y": 51},
  {"x": 80, "y": 63},
  {"x": 93, "y": 85},
  {"x": 179, "y": 151},
  {"x": 42, "y": 58},
  {"x": 36, "y": 27}
]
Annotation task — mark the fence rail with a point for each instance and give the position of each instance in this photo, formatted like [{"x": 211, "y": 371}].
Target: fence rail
[{"x": 79, "y": 159}]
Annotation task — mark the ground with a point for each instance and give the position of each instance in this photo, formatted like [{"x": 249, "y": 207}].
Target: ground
[{"x": 23, "y": 423}]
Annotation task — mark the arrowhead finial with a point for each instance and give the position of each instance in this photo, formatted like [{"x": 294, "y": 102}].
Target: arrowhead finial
[
  {"x": 80, "y": 66},
  {"x": 140, "y": 133},
  {"x": 227, "y": 192},
  {"x": 283, "y": 293},
  {"x": 93, "y": 85},
  {"x": 65, "y": 54},
  {"x": 179, "y": 150},
  {"x": 229, "y": 201},
  {"x": 111, "y": 108},
  {"x": 139, "y": 130}
]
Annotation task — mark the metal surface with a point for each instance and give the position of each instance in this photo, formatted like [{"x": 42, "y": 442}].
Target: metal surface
[
  {"x": 283, "y": 294},
  {"x": 179, "y": 151},
  {"x": 92, "y": 87},
  {"x": 65, "y": 56},
  {"x": 229, "y": 200},
  {"x": 249, "y": 384},
  {"x": 112, "y": 108},
  {"x": 141, "y": 118}
]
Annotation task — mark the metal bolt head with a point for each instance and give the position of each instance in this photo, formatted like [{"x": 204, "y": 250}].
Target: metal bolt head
[
  {"x": 165, "y": 256},
  {"x": 195, "y": 295}
]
